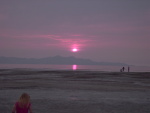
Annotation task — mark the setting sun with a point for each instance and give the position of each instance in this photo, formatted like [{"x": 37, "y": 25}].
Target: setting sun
[{"x": 74, "y": 50}]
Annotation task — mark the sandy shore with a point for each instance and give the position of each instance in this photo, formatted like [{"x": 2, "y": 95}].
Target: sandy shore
[{"x": 76, "y": 91}]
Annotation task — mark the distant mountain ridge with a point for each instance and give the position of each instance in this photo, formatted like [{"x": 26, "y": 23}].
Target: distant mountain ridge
[{"x": 55, "y": 60}]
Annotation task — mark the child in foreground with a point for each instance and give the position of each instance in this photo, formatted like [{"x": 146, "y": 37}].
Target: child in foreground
[{"x": 23, "y": 105}]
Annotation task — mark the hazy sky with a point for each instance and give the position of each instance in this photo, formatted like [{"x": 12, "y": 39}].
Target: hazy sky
[{"x": 101, "y": 30}]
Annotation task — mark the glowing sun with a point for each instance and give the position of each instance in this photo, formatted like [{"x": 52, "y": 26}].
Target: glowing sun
[{"x": 74, "y": 50}]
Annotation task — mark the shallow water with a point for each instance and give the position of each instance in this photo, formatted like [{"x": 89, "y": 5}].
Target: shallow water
[{"x": 76, "y": 67}]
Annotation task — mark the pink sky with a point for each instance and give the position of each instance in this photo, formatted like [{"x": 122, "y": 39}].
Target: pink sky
[{"x": 112, "y": 31}]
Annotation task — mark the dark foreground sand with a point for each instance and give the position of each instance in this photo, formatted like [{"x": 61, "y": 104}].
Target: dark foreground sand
[{"x": 76, "y": 91}]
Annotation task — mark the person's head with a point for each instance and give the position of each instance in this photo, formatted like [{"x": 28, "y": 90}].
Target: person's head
[{"x": 24, "y": 99}]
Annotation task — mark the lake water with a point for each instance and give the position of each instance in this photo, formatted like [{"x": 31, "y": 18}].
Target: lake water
[{"x": 75, "y": 67}]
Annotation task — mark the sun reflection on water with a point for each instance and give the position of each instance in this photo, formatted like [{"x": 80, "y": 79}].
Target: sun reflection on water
[{"x": 74, "y": 67}]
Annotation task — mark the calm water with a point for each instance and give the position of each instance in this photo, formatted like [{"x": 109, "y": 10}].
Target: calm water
[{"x": 75, "y": 67}]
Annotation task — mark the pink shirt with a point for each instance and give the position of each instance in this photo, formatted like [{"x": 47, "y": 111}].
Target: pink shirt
[{"x": 22, "y": 109}]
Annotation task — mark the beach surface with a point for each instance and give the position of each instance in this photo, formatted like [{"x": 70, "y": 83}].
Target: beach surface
[{"x": 79, "y": 91}]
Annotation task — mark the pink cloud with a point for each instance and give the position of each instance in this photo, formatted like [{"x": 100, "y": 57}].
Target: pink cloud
[{"x": 37, "y": 41}]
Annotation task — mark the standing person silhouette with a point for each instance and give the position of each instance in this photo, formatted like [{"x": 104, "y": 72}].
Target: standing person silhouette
[
  {"x": 123, "y": 69},
  {"x": 23, "y": 105},
  {"x": 128, "y": 69}
]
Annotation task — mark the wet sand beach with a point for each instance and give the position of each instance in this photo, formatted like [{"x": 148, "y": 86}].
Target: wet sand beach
[{"x": 79, "y": 91}]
